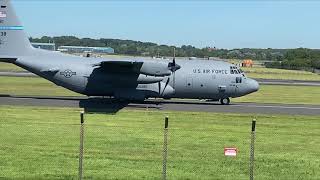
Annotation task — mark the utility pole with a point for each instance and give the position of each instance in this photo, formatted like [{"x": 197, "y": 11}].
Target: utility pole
[
  {"x": 165, "y": 149},
  {"x": 81, "y": 145},
  {"x": 253, "y": 137}
]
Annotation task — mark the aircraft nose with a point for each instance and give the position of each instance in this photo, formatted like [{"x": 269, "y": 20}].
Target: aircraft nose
[{"x": 253, "y": 85}]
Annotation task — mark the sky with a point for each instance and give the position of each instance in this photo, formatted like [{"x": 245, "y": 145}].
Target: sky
[{"x": 223, "y": 24}]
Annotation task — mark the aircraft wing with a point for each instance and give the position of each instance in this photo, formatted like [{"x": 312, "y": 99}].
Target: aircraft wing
[{"x": 151, "y": 68}]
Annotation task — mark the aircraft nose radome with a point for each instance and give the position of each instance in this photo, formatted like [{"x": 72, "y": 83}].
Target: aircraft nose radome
[{"x": 254, "y": 85}]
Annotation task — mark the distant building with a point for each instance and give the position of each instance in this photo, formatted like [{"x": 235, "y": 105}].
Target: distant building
[
  {"x": 46, "y": 46},
  {"x": 210, "y": 49},
  {"x": 247, "y": 63},
  {"x": 79, "y": 49}
]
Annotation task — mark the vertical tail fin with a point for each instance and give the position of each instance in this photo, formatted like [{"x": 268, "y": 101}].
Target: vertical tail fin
[{"x": 13, "y": 40}]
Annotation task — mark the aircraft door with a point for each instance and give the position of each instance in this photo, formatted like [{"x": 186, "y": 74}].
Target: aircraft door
[
  {"x": 236, "y": 89},
  {"x": 237, "y": 84},
  {"x": 226, "y": 86}
]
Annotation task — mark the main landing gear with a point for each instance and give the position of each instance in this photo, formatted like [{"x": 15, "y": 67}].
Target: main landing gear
[{"x": 225, "y": 101}]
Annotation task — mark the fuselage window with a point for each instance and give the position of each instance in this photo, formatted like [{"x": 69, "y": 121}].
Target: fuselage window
[
  {"x": 235, "y": 70},
  {"x": 238, "y": 79},
  {"x": 231, "y": 70}
]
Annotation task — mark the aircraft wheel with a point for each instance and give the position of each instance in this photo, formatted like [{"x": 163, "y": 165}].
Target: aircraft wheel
[{"x": 225, "y": 101}]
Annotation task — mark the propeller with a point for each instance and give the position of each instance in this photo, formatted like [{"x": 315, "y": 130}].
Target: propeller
[
  {"x": 159, "y": 86},
  {"x": 172, "y": 66}
]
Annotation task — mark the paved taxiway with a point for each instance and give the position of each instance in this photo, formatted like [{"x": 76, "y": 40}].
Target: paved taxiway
[
  {"x": 172, "y": 105},
  {"x": 288, "y": 82},
  {"x": 261, "y": 81}
]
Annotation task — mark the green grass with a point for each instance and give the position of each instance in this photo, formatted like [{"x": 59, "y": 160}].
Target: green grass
[
  {"x": 270, "y": 73},
  {"x": 283, "y": 95},
  {"x": 266, "y": 94},
  {"x": 42, "y": 143},
  {"x": 31, "y": 86},
  {"x": 7, "y": 67}
]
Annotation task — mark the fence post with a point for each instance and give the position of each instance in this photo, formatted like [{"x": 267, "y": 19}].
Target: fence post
[
  {"x": 81, "y": 145},
  {"x": 165, "y": 149},
  {"x": 253, "y": 137}
]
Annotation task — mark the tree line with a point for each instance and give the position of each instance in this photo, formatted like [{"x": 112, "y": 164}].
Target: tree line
[
  {"x": 298, "y": 59},
  {"x": 279, "y": 58}
]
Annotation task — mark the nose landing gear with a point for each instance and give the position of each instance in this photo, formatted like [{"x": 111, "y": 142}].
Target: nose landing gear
[{"x": 225, "y": 101}]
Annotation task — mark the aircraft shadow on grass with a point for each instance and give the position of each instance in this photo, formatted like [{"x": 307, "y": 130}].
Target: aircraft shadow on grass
[
  {"x": 112, "y": 106},
  {"x": 99, "y": 105},
  {"x": 90, "y": 105}
]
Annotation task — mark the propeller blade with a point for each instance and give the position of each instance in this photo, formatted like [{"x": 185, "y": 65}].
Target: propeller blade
[
  {"x": 168, "y": 80},
  {"x": 159, "y": 86}
]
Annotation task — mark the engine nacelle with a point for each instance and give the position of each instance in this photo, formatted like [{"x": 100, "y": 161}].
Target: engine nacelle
[{"x": 155, "y": 69}]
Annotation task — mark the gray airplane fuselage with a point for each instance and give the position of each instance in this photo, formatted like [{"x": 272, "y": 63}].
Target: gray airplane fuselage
[{"x": 196, "y": 79}]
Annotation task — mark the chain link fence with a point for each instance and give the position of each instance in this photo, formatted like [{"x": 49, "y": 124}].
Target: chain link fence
[{"x": 130, "y": 145}]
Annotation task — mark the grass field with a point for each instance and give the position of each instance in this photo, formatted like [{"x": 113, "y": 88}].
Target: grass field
[
  {"x": 283, "y": 94},
  {"x": 266, "y": 94},
  {"x": 42, "y": 143},
  {"x": 269, "y": 73},
  {"x": 32, "y": 86},
  {"x": 7, "y": 67}
]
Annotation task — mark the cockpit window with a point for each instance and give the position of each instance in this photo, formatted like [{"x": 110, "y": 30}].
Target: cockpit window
[
  {"x": 242, "y": 72},
  {"x": 235, "y": 70},
  {"x": 238, "y": 79},
  {"x": 232, "y": 69}
]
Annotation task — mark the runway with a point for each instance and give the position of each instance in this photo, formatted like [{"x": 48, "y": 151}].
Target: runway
[
  {"x": 261, "y": 81},
  {"x": 107, "y": 105},
  {"x": 288, "y": 82},
  {"x": 18, "y": 74}
]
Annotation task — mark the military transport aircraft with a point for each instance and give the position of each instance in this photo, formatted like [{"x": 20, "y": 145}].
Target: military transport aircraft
[{"x": 124, "y": 79}]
